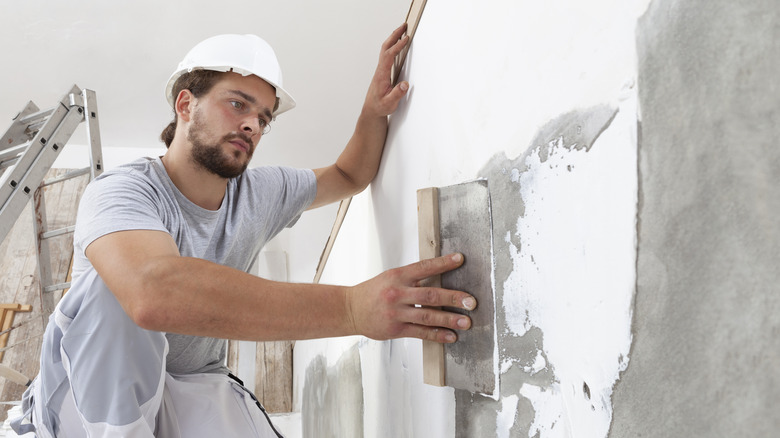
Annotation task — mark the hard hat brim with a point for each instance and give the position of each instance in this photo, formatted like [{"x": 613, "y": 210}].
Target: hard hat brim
[{"x": 284, "y": 99}]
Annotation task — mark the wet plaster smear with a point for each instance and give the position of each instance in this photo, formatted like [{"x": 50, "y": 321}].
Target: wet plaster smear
[{"x": 564, "y": 217}]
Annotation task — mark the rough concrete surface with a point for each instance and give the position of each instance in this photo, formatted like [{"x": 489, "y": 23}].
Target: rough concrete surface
[{"x": 705, "y": 360}]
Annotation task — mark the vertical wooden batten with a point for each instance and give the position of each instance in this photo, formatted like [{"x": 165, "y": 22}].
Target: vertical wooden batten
[{"x": 429, "y": 247}]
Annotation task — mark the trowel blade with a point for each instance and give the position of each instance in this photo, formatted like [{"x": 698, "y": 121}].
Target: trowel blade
[{"x": 465, "y": 226}]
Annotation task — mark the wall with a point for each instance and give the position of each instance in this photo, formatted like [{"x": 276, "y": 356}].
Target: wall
[
  {"x": 541, "y": 100},
  {"x": 631, "y": 173},
  {"x": 705, "y": 356}
]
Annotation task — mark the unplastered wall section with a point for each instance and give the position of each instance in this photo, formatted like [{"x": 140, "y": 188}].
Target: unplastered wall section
[{"x": 541, "y": 100}]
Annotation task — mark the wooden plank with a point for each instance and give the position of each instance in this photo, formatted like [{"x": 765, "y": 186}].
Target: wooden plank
[
  {"x": 340, "y": 215},
  {"x": 412, "y": 20},
  {"x": 6, "y": 322},
  {"x": 274, "y": 375},
  {"x": 429, "y": 247},
  {"x": 232, "y": 357}
]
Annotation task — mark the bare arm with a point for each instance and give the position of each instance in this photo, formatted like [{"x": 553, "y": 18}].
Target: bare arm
[
  {"x": 162, "y": 291},
  {"x": 358, "y": 164}
]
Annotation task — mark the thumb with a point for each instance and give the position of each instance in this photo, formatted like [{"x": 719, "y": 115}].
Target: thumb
[{"x": 395, "y": 95}]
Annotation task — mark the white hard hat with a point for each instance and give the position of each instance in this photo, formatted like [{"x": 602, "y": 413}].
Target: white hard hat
[{"x": 244, "y": 54}]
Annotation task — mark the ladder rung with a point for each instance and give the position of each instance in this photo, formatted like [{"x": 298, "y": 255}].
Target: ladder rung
[
  {"x": 59, "y": 232},
  {"x": 69, "y": 175},
  {"x": 56, "y": 287},
  {"x": 36, "y": 117},
  {"x": 14, "y": 152},
  {"x": 9, "y": 163}
]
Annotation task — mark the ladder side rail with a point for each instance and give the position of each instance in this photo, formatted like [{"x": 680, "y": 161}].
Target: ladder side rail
[
  {"x": 93, "y": 133},
  {"x": 40, "y": 227},
  {"x": 36, "y": 171},
  {"x": 88, "y": 100},
  {"x": 12, "y": 183}
]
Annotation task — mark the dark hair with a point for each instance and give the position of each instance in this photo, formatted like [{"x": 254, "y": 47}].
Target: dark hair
[{"x": 199, "y": 82}]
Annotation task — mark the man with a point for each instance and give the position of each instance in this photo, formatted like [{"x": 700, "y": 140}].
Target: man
[{"x": 136, "y": 348}]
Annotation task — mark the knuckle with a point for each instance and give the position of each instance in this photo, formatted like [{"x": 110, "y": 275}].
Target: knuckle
[
  {"x": 427, "y": 263},
  {"x": 426, "y": 318},
  {"x": 390, "y": 295},
  {"x": 395, "y": 274},
  {"x": 430, "y": 297},
  {"x": 428, "y": 334}
]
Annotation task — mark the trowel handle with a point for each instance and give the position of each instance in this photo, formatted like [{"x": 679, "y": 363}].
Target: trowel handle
[{"x": 13, "y": 375}]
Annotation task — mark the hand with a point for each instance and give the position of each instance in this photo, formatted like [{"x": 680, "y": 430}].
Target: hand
[
  {"x": 382, "y": 98},
  {"x": 384, "y": 307}
]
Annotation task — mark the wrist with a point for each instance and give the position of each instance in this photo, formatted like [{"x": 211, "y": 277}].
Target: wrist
[{"x": 349, "y": 320}]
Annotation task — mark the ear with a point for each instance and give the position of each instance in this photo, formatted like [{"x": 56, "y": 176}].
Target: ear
[{"x": 184, "y": 105}]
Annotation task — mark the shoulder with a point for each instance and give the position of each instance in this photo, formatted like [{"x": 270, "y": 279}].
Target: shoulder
[
  {"x": 137, "y": 176},
  {"x": 277, "y": 176}
]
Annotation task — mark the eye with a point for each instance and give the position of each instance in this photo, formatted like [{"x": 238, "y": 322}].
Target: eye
[
  {"x": 236, "y": 104},
  {"x": 263, "y": 122}
]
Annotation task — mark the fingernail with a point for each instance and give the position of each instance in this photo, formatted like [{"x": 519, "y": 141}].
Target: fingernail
[
  {"x": 450, "y": 337},
  {"x": 457, "y": 257},
  {"x": 469, "y": 303},
  {"x": 404, "y": 86},
  {"x": 463, "y": 323}
]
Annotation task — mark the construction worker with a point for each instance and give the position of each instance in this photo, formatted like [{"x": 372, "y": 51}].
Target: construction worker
[{"x": 162, "y": 245}]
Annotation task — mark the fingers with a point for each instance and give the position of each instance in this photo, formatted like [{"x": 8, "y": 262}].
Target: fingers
[
  {"x": 392, "y": 47},
  {"x": 437, "y": 297},
  {"x": 394, "y": 37},
  {"x": 430, "y": 267},
  {"x": 425, "y": 316},
  {"x": 441, "y": 336}
]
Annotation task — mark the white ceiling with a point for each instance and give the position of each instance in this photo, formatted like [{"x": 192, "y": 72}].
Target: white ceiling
[{"x": 125, "y": 51}]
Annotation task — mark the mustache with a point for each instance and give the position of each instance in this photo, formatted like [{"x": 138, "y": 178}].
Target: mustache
[{"x": 241, "y": 136}]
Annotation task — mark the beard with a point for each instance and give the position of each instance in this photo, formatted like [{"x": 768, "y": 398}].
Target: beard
[{"x": 209, "y": 155}]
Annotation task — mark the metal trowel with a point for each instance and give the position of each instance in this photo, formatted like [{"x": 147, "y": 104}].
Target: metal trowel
[{"x": 458, "y": 219}]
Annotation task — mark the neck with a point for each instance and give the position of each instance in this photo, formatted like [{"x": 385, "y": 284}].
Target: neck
[{"x": 200, "y": 186}]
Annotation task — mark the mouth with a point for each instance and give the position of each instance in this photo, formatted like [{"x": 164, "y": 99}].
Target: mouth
[{"x": 239, "y": 144}]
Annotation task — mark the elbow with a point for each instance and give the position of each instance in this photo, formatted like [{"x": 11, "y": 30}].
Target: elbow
[
  {"x": 146, "y": 305},
  {"x": 356, "y": 181},
  {"x": 145, "y": 316}
]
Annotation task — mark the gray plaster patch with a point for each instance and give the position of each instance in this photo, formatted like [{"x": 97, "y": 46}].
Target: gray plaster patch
[
  {"x": 476, "y": 415},
  {"x": 333, "y": 398},
  {"x": 705, "y": 357}
]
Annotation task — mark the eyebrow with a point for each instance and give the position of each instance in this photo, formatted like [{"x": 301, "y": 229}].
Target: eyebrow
[{"x": 252, "y": 100}]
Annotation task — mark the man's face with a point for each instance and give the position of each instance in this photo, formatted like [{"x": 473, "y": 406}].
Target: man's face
[{"x": 227, "y": 123}]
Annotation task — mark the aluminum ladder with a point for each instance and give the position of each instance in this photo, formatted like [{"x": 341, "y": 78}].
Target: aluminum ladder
[{"x": 28, "y": 150}]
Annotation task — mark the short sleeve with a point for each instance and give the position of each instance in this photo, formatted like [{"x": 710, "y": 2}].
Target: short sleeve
[{"x": 118, "y": 202}]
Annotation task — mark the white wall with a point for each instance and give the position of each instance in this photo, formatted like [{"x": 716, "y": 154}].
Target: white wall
[{"x": 492, "y": 78}]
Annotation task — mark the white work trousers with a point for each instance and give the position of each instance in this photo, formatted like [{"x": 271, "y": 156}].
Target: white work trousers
[{"x": 103, "y": 376}]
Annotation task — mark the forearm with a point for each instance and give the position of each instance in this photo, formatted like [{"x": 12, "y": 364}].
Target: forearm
[
  {"x": 361, "y": 157},
  {"x": 358, "y": 164},
  {"x": 197, "y": 297}
]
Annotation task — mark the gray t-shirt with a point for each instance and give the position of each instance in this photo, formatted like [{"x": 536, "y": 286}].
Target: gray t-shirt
[{"x": 141, "y": 196}]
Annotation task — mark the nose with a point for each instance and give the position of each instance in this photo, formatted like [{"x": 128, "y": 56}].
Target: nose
[{"x": 251, "y": 126}]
